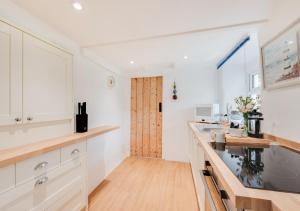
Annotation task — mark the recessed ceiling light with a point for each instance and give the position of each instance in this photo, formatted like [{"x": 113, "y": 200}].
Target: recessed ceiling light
[
  {"x": 131, "y": 62},
  {"x": 77, "y": 5},
  {"x": 185, "y": 57}
]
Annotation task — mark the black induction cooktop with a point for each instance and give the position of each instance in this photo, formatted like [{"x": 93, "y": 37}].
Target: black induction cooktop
[{"x": 270, "y": 167}]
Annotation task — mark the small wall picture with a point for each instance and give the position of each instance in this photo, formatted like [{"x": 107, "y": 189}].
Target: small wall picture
[
  {"x": 280, "y": 57},
  {"x": 111, "y": 82}
]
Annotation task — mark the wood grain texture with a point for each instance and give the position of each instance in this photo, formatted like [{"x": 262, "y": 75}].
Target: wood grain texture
[
  {"x": 153, "y": 110},
  {"x": 133, "y": 112},
  {"x": 242, "y": 197},
  {"x": 146, "y": 120},
  {"x": 159, "y": 82},
  {"x": 141, "y": 184},
  {"x": 207, "y": 204},
  {"x": 16, "y": 154},
  {"x": 282, "y": 141},
  {"x": 214, "y": 194},
  {"x": 246, "y": 140},
  {"x": 139, "y": 117}
]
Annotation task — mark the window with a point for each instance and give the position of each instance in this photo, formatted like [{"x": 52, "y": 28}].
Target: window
[{"x": 254, "y": 83}]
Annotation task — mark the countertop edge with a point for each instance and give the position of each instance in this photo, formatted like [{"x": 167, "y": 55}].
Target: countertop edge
[{"x": 16, "y": 154}]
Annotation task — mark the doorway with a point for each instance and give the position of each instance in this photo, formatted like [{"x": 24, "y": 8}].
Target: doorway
[{"x": 146, "y": 117}]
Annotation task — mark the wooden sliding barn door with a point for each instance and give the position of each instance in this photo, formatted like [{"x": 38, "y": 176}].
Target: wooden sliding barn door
[{"x": 146, "y": 117}]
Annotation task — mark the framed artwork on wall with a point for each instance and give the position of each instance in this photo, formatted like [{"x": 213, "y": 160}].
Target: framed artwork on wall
[{"x": 281, "y": 59}]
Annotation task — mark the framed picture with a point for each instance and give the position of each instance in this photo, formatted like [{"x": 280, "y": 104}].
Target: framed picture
[{"x": 280, "y": 59}]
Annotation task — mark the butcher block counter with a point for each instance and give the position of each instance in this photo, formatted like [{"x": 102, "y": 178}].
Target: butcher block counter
[
  {"x": 16, "y": 154},
  {"x": 242, "y": 197}
]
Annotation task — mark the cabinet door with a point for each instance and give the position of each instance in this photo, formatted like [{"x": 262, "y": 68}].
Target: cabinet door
[
  {"x": 47, "y": 82},
  {"x": 10, "y": 75}
]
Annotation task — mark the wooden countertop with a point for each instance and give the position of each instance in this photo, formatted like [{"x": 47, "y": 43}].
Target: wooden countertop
[
  {"x": 16, "y": 154},
  {"x": 246, "y": 140},
  {"x": 242, "y": 197}
]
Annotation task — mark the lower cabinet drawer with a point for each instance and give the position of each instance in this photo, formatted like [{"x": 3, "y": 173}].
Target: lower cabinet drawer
[
  {"x": 36, "y": 194},
  {"x": 36, "y": 166},
  {"x": 69, "y": 197},
  {"x": 73, "y": 151}
]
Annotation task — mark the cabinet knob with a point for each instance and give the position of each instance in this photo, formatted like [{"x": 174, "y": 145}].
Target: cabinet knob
[
  {"x": 18, "y": 119},
  {"x": 41, "y": 181},
  {"x": 29, "y": 118}
]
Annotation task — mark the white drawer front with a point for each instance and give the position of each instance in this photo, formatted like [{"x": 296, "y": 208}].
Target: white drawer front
[
  {"x": 73, "y": 151},
  {"x": 68, "y": 197},
  {"x": 36, "y": 166},
  {"x": 7, "y": 178},
  {"x": 34, "y": 194}
]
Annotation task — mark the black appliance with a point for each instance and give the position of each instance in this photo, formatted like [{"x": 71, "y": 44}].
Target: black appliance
[
  {"x": 254, "y": 124},
  {"x": 269, "y": 167},
  {"x": 81, "y": 118}
]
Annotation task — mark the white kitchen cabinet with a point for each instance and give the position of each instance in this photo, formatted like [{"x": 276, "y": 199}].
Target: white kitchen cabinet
[
  {"x": 68, "y": 197},
  {"x": 196, "y": 155},
  {"x": 10, "y": 75},
  {"x": 36, "y": 166},
  {"x": 59, "y": 189},
  {"x": 35, "y": 79},
  {"x": 7, "y": 178},
  {"x": 47, "y": 81},
  {"x": 73, "y": 151}
]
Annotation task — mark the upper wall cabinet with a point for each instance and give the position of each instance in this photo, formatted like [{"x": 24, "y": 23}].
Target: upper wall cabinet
[
  {"x": 10, "y": 75},
  {"x": 35, "y": 79},
  {"x": 47, "y": 82}
]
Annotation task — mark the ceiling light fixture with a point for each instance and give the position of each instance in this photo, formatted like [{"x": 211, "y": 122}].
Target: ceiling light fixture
[
  {"x": 131, "y": 62},
  {"x": 77, "y": 5},
  {"x": 185, "y": 57}
]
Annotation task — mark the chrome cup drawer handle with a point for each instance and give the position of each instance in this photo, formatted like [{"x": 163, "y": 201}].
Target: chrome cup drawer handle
[
  {"x": 41, "y": 165},
  {"x": 41, "y": 181},
  {"x": 75, "y": 152}
]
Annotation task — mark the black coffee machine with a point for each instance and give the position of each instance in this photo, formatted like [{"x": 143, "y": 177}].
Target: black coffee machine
[
  {"x": 254, "y": 124},
  {"x": 81, "y": 118}
]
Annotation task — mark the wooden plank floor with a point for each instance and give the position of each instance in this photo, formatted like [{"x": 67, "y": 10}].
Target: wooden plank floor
[{"x": 140, "y": 184}]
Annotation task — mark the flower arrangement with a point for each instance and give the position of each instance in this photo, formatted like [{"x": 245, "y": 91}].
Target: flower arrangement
[{"x": 246, "y": 105}]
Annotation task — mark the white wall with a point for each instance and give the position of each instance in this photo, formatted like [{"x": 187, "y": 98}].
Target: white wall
[
  {"x": 104, "y": 105},
  {"x": 232, "y": 80},
  {"x": 234, "y": 74},
  {"x": 196, "y": 84},
  {"x": 281, "y": 107}
]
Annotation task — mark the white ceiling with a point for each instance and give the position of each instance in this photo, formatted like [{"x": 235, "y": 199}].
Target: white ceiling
[
  {"x": 200, "y": 48},
  {"x": 153, "y": 33}
]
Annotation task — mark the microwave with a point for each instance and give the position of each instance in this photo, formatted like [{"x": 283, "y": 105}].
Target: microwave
[{"x": 206, "y": 112}]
